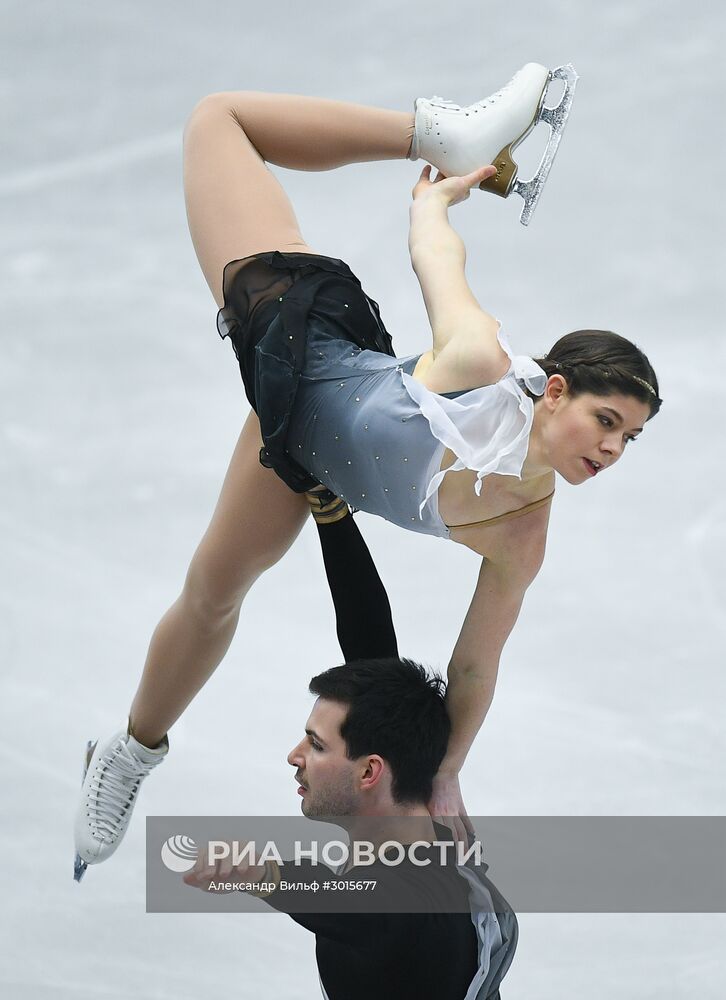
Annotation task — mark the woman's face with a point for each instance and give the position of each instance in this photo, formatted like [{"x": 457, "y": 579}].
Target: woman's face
[{"x": 584, "y": 435}]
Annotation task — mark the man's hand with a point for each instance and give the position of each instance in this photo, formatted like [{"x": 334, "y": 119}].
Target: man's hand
[
  {"x": 203, "y": 874},
  {"x": 451, "y": 190},
  {"x": 446, "y": 806}
]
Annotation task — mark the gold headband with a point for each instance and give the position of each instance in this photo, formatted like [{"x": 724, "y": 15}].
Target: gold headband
[
  {"x": 646, "y": 385},
  {"x": 635, "y": 378}
]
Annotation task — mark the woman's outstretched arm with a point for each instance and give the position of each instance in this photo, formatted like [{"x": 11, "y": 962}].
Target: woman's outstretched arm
[
  {"x": 362, "y": 610},
  {"x": 466, "y": 352},
  {"x": 517, "y": 551}
]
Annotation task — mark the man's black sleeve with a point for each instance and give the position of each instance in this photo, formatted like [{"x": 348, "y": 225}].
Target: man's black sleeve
[{"x": 362, "y": 610}]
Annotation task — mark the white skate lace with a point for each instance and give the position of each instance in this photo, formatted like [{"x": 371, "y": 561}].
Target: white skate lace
[
  {"x": 115, "y": 781},
  {"x": 493, "y": 98},
  {"x": 440, "y": 102}
]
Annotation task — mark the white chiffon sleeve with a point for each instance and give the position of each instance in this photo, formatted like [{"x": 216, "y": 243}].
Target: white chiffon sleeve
[{"x": 487, "y": 428}]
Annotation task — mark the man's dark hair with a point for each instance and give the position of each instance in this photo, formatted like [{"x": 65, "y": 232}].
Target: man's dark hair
[{"x": 397, "y": 710}]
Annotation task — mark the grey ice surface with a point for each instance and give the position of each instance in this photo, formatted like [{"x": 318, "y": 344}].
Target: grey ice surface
[{"x": 120, "y": 408}]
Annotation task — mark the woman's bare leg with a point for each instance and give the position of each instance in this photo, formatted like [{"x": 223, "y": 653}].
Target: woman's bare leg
[
  {"x": 236, "y": 207},
  {"x": 255, "y": 521}
]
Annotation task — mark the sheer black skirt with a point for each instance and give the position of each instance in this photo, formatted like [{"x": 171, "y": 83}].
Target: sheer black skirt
[{"x": 271, "y": 301}]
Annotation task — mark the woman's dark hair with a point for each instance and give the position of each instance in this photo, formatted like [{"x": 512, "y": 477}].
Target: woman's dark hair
[
  {"x": 604, "y": 364},
  {"x": 397, "y": 710}
]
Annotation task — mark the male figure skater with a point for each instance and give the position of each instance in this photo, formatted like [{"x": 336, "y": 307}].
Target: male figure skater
[{"x": 373, "y": 744}]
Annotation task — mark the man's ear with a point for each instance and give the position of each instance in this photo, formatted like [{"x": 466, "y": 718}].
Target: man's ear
[{"x": 373, "y": 770}]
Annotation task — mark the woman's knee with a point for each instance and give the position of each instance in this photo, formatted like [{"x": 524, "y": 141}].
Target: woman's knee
[
  {"x": 214, "y": 590},
  {"x": 225, "y": 103},
  {"x": 213, "y": 105},
  {"x": 216, "y": 584}
]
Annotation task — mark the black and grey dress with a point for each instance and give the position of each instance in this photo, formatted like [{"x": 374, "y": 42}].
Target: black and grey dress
[{"x": 337, "y": 407}]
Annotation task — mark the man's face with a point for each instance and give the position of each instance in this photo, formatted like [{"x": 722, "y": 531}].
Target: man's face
[{"x": 327, "y": 779}]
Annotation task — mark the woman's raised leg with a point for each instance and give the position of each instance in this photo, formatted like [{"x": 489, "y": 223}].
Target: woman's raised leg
[{"x": 235, "y": 206}]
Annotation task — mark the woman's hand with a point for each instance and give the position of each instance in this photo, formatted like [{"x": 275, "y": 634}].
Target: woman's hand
[
  {"x": 446, "y": 806},
  {"x": 451, "y": 190}
]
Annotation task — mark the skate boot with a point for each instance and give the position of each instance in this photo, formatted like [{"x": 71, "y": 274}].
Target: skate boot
[
  {"x": 111, "y": 781},
  {"x": 459, "y": 140}
]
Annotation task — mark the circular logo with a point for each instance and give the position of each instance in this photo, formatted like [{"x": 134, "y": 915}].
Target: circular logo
[{"x": 179, "y": 854}]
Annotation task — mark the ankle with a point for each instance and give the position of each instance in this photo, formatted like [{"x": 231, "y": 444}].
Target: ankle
[
  {"x": 412, "y": 153},
  {"x": 149, "y": 737}
]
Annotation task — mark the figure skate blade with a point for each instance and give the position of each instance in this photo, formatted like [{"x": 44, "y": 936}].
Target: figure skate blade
[
  {"x": 79, "y": 868},
  {"x": 556, "y": 118},
  {"x": 79, "y": 865}
]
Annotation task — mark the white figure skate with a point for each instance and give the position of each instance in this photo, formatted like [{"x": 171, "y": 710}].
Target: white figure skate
[
  {"x": 111, "y": 781},
  {"x": 459, "y": 140}
]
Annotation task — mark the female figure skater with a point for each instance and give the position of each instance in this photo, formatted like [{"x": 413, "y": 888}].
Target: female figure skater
[{"x": 462, "y": 441}]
